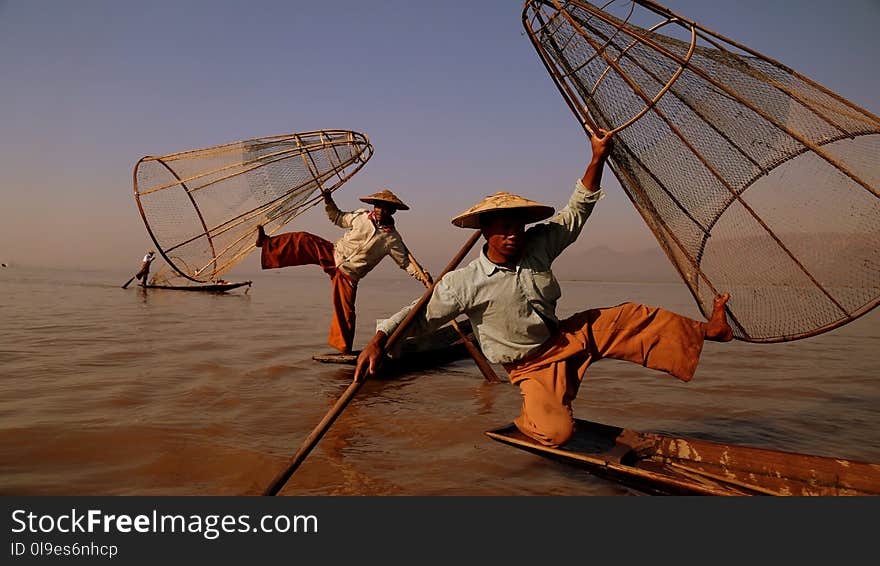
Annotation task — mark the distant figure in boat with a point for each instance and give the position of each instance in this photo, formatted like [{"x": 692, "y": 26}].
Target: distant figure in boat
[
  {"x": 370, "y": 237},
  {"x": 145, "y": 268},
  {"x": 509, "y": 294}
]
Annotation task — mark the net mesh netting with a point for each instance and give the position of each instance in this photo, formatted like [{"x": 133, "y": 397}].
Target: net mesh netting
[
  {"x": 202, "y": 207},
  {"x": 167, "y": 275},
  {"x": 755, "y": 180}
]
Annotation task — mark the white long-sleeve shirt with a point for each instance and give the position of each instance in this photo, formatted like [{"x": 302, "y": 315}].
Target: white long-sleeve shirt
[
  {"x": 512, "y": 311},
  {"x": 363, "y": 246}
]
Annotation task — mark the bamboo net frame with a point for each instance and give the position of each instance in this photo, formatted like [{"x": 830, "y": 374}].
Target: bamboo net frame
[
  {"x": 754, "y": 179},
  {"x": 202, "y": 207}
]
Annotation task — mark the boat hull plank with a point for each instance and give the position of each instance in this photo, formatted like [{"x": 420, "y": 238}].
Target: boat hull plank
[
  {"x": 215, "y": 288},
  {"x": 666, "y": 465}
]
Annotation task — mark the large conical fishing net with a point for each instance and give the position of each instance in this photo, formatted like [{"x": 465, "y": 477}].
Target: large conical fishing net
[
  {"x": 202, "y": 207},
  {"x": 754, "y": 179}
]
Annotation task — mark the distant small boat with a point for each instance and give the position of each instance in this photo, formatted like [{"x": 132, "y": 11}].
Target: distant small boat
[
  {"x": 208, "y": 288},
  {"x": 659, "y": 464}
]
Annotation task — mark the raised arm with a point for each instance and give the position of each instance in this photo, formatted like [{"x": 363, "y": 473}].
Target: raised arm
[
  {"x": 565, "y": 227},
  {"x": 336, "y": 216}
]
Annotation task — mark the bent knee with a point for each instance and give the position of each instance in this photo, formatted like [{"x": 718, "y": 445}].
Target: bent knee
[
  {"x": 559, "y": 435},
  {"x": 553, "y": 434}
]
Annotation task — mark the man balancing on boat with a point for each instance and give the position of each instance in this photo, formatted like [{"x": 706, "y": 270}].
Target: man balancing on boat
[
  {"x": 144, "y": 271},
  {"x": 370, "y": 237},
  {"x": 510, "y": 294}
]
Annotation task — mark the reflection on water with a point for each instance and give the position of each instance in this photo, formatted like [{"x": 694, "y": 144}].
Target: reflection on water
[{"x": 111, "y": 391}]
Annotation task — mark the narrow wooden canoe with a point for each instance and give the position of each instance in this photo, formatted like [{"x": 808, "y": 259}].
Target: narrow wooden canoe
[
  {"x": 418, "y": 353},
  {"x": 659, "y": 464},
  {"x": 209, "y": 288}
]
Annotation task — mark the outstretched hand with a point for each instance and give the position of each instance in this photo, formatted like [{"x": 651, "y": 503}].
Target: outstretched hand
[
  {"x": 602, "y": 143},
  {"x": 370, "y": 358}
]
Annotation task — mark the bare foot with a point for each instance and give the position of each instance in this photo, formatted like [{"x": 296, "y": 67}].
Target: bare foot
[
  {"x": 718, "y": 329},
  {"x": 261, "y": 236}
]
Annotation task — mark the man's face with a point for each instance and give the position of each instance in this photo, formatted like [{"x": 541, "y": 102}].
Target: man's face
[
  {"x": 505, "y": 235},
  {"x": 383, "y": 212}
]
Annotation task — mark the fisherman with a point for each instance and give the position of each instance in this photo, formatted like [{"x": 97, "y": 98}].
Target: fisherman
[
  {"x": 145, "y": 268},
  {"x": 370, "y": 237},
  {"x": 510, "y": 294}
]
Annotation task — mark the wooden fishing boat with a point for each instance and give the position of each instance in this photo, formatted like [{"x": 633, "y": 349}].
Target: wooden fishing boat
[
  {"x": 208, "y": 288},
  {"x": 417, "y": 353},
  {"x": 660, "y": 464}
]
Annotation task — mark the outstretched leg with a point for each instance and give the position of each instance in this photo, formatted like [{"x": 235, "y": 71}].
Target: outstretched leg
[
  {"x": 649, "y": 336},
  {"x": 296, "y": 248}
]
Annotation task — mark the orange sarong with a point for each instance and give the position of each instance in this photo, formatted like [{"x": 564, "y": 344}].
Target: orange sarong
[
  {"x": 302, "y": 248},
  {"x": 549, "y": 379}
]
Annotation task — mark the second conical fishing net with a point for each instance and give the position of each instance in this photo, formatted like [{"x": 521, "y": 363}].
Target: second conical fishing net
[
  {"x": 755, "y": 180},
  {"x": 202, "y": 207}
]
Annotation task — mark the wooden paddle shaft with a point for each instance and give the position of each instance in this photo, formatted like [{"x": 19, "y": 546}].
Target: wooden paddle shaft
[
  {"x": 477, "y": 355},
  {"x": 355, "y": 386}
]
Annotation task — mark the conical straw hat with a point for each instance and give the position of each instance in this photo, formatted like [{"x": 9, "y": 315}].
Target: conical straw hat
[
  {"x": 529, "y": 210},
  {"x": 385, "y": 197}
]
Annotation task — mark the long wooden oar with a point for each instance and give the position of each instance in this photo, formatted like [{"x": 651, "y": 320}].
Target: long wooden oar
[
  {"x": 356, "y": 384},
  {"x": 127, "y": 283},
  {"x": 476, "y": 354}
]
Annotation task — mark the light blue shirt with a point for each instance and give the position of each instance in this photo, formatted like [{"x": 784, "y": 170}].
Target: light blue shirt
[{"x": 512, "y": 311}]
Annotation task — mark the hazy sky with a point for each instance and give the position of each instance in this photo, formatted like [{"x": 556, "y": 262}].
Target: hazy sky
[{"x": 452, "y": 95}]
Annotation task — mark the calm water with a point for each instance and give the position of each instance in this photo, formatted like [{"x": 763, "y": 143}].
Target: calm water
[{"x": 132, "y": 392}]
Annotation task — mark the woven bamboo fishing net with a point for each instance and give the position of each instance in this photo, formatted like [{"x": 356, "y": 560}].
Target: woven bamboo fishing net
[
  {"x": 169, "y": 276},
  {"x": 754, "y": 179},
  {"x": 202, "y": 207}
]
